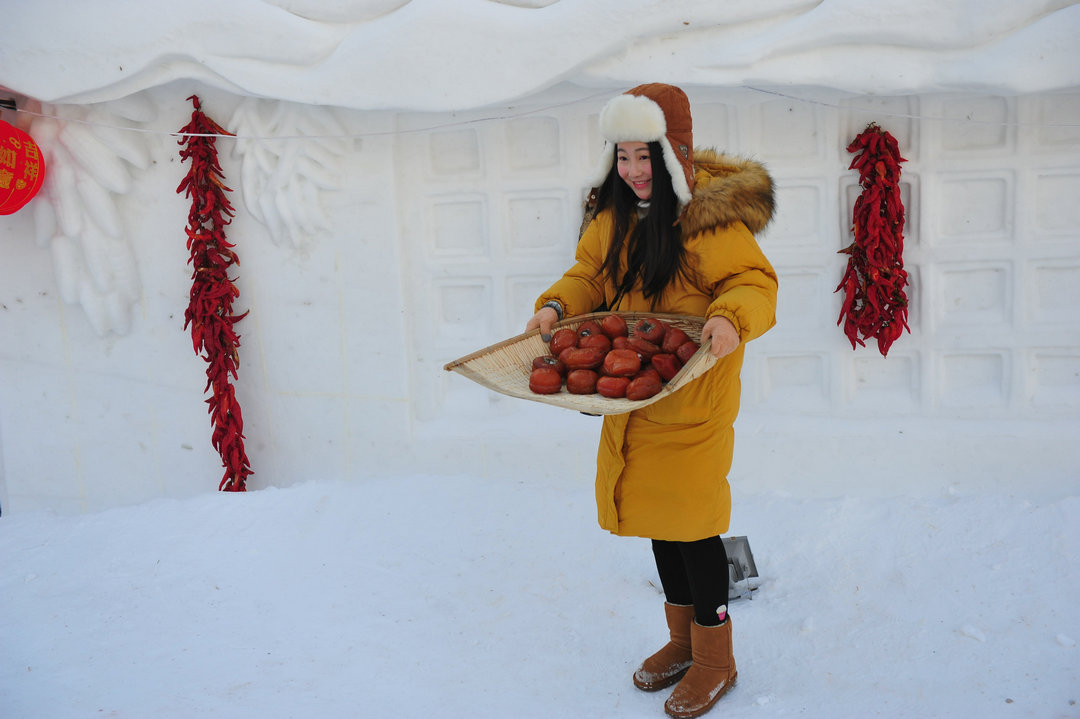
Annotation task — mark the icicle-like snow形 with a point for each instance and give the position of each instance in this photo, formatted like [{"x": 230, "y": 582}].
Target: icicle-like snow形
[
  {"x": 90, "y": 162},
  {"x": 290, "y": 154}
]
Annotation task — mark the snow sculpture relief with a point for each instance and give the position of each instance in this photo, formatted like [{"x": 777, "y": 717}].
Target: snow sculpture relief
[
  {"x": 289, "y": 154},
  {"x": 363, "y": 54},
  {"x": 339, "y": 12},
  {"x": 90, "y": 163}
]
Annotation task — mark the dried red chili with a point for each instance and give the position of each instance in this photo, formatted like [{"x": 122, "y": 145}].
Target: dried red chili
[
  {"x": 210, "y": 313},
  {"x": 875, "y": 302}
]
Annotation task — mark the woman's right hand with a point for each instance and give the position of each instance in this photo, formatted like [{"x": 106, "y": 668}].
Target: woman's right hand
[{"x": 545, "y": 319}]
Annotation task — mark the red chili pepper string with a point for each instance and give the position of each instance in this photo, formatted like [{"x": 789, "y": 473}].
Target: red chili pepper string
[
  {"x": 875, "y": 303},
  {"x": 210, "y": 313}
]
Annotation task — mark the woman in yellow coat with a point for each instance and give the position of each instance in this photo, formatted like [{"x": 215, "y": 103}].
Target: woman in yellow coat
[{"x": 672, "y": 232}]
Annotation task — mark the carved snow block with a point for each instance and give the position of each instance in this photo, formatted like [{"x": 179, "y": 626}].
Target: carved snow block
[
  {"x": 533, "y": 143},
  {"x": 801, "y": 218},
  {"x": 973, "y": 379},
  {"x": 1055, "y": 133},
  {"x": 1054, "y": 293},
  {"x": 454, "y": 152},
  {"x": 463, "y": 309},
  {"x": 713, "y": 125},
  {"x": 805, "y": 300},
  {"x": 536, "y": 222},
  {"x": 796, "y": 382},
  {"x": 458, "y": 227},
  {"x": 977, "y": 125},
  {"x": 1057, "y": 205},
  {"x": 874, "y": 383},
  {"x": 973, "y": 294},
  {"x": 791, "y": 132},
  {"x": 1054, "y": 377},
  {"x": 975, "y": 207}
]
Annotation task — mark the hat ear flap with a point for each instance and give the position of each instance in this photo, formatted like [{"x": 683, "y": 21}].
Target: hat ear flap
[{"x": 677, "y": 171}]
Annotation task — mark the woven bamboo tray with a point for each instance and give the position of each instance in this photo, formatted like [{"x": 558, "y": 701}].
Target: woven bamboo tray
[{"x": 505, "y": 367}]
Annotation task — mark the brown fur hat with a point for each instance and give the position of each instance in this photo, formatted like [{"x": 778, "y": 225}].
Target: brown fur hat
[{"x": 651, "y": 113}]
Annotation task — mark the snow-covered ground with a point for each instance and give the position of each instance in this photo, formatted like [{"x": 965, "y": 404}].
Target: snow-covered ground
[{"x": 450, "y": 596}]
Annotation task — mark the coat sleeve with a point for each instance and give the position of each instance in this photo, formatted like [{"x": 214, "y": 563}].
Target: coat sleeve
[
  {"x": 743, "y": 282},
  {"x": 581, "y": 288}
]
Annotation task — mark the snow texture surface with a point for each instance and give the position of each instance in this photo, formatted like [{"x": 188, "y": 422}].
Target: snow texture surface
[
  {"x": 361, "y": 54},
  {"x": 434, "y": 597}
]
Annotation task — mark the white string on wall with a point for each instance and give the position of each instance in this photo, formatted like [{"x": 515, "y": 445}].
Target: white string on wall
[{"x": 879, "y": 112}]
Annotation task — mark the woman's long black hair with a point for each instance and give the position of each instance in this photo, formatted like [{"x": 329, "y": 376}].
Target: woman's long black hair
[{"x": 655, "y": 254}]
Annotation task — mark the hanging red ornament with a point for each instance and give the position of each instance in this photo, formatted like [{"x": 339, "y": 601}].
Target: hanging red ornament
[
  {"x": 22, "y": 169},
  {"x": 875, "y": 302},
  {"x": 209, "y": 313}
]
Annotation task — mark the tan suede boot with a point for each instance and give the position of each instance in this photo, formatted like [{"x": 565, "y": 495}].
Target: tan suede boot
[
  {"x": 669, "y": 664},
  {"x": 710, "y": 676}
]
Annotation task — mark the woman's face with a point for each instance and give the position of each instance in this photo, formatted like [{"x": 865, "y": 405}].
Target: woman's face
[{"x": 635, "y": 167}]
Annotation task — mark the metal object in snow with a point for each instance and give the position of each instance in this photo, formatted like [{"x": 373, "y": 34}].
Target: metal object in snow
[{"x": 740, "y": 565}]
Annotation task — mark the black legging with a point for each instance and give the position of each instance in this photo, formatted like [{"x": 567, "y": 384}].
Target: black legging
[{"x": 694, "y": 573}]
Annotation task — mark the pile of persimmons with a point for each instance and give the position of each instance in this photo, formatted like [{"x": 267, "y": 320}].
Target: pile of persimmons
[{"x": 608, "y": 357}]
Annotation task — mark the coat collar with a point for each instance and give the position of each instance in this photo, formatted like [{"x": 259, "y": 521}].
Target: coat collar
[{"x": 728, "y": 189}]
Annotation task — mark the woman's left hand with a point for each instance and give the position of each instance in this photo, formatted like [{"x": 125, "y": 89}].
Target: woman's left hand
[{"x": 721, "y": 336}]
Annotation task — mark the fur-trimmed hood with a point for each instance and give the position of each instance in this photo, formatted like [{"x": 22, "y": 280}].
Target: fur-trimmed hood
[{"x": 728, "y": 189}]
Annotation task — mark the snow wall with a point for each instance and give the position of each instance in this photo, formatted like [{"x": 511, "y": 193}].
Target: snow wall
[{"x": 403, "y": 240}]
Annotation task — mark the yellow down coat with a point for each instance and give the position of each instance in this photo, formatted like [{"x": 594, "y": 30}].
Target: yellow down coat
[{"x": 661, "y": 471}]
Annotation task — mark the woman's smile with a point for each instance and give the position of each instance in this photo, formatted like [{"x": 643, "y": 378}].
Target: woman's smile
[{"x": 635, "y": 167}]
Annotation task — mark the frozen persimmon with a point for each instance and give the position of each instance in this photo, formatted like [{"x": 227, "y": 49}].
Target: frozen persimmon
[
  {"x": 622, "y": 363},
  {"x": 549, "y": 361},
  {"x": 648, "y": 371},
  {"x": 668, "y": 365},
  {"x": 587, "y": 328},
  {"x": 582, "y": 358},
  {"x": 643, "y": 347},
  {"x": 686, "y": 350},
  {"x": 643, "y": 386},
  {"x": 614, "y": 326},
  {"x": 581, "y": 381},
  {"x": 564, "y": 338},
  {"x": 545, "y": 380},
  {"x": 650, "y": 329},
  {"x": 600, "y": 341},
  {"x": 672, "y": 339},
  {"x": 613, "y": 387}
]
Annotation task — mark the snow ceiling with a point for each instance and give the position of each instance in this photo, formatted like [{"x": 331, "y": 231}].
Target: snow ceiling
[{"x": 447, "y": 55}]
